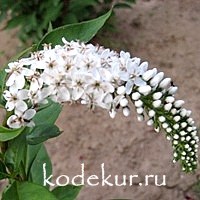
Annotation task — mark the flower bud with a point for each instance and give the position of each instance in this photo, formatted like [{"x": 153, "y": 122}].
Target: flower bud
[
  {"x": 182, "y": 133},
  {"x": 176, "y": 136},
  {"x": 138, "y": 103},
  {"x": 112, "y": 113},
  {"x": 173, "y": 111},
  {"x": 157, "y": 103},
  {"x": 189, "y": 120},
  {"x": 172, "y": 90},
  {"x": 157, "y": 95},
  {"x": 183, "y": 112},
  {"x": 145, "y": 90},
  {"x": 126, "y": 111},
  {"x": 151, "y": 113},
  {"x": 165, "y": 83},
  {"x": 140, "y": 110},
  {"x": 168, "y": 106},
  {"x": 121, "y": 90},
  {"x": 177, "y": 118},
  {"x": 170, "y": 99},
  {"x": 156, "y": 79},
  {"x": 189, "y": 112},
  {"x": 161, "y": 118},
  {"x": 183, "y": 124},
  {"x": 165, "y": 125},
  {"x": 169, "y": 130},
  {"x": 176, "y": 126},
  {"x": 140, "y": 118},
  {"x": 135, "y": 96},
  {"x": 123, "y": 102},
  {"x": 150, "y": 122},
  {"x": 168, "y": 138},
  {"x": 157, "y": 129},
  {"x": 188, "y": 138},
  {"x": 149, "y": 74},
  {"x": 178, "y": 103}
]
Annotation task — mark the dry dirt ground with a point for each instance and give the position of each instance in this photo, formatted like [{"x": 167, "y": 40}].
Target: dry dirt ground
[{"x": 166, "y": 33}]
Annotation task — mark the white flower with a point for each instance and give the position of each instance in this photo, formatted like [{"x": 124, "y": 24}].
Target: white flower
[
  {"x": 96, "y": 85},
  {"x": 21, "y": 118},
  {"x": 133, "y": 70},
  {"x": 15, "y": 99},
  {"x": 57, "y": 84},
  {"x": 78, "y": 84},
  {"x": 17, "y": 75},
  {"x": 36, "y": 82}
]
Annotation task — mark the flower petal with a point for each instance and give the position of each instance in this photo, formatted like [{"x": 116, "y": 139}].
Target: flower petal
[
  {"x": 19, "y": 81},
  {"x": 21, "y": 106},
  {"x": 22, "y": 94},
  {"x": 29, "y": 114},
  {"x": 10, "y": 105},
  {"x": 14, "y": 122}
]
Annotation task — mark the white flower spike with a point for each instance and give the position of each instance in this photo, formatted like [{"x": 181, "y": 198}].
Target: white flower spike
[{"x": 78, "y": 72}]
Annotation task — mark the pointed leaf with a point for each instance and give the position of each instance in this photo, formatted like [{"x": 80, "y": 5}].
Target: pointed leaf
[
  {"x": 16, "y": 154},
  {"x": 42, "y": 132},
  {"x": 3, "y": 172},
  {"x": 8, "y": 134},
  {"x": 69, "y": 192},
  {"x": 48, "y": 114},
  {"x": 35, "y": 170},
  {"x": 27, "y": 191},
  {"x": 83, "y": 31}
]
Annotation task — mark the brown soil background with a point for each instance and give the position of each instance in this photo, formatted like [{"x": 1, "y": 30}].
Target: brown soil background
[{"x": 165, "y": 33}]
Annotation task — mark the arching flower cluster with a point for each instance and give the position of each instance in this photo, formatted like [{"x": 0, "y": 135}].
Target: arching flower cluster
[{"x": 101, "y": 77}]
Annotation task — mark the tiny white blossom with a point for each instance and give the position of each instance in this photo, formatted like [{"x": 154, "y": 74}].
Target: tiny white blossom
[{"x": 15, "y": 98}]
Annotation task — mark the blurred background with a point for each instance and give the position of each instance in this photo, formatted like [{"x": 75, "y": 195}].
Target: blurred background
[{"x": 163, "y": 32}]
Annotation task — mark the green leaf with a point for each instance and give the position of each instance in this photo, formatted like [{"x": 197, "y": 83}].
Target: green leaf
[
  {"x": 15, "y": 21},
  {"x": 122, "y": 5},
  {"x": 42, "y": 132},
  {"x": 3, "y": 172},
  {"x": 50, "y": 27},
  {"x": 69, "y": 192},
  {"x": 36, "y": 157},
  {"x": 27, "y": 191},
  {"x": 8, "y": 134},
  {"x": 48, "y": 114},
  {"x": 2, "y": 78},
  {"x": 16, "y": 154},
  {"x": 83, "y": 31}
]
